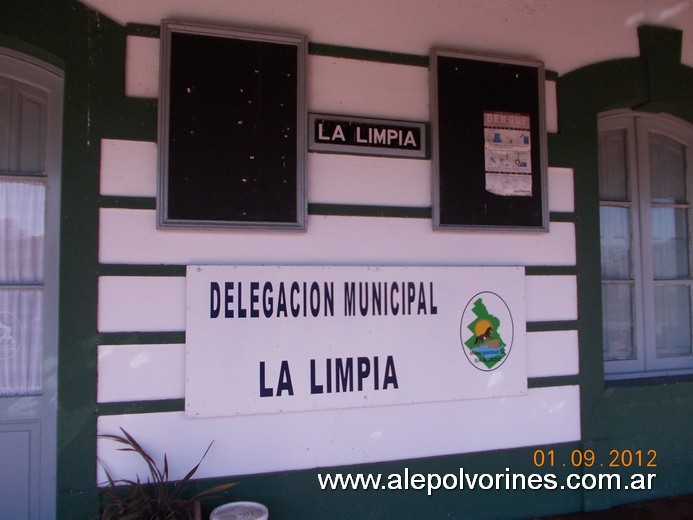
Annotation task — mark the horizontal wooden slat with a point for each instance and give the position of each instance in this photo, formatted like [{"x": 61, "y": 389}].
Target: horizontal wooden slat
[
  {"x": 551, "y": 298},
  {"x": 141, "y": 304},
  {"x": 561, "y": 192},
  {"x": 344, "y": 179},
  {"x": 130, "y": 236},
  {"x": 128, "y": 169},
  {"x": 366, "y": 88},
  {"x": 553, "y": 353},
  {"x": 140, "y": 372},
  {"x": 157, "y": 303},
  {"x": 142, "y": 66},
  {"x": 149, "y": 372},
  {"x": 278, "y": 442}
]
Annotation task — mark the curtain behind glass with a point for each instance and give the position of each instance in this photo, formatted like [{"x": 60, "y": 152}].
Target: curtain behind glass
[
  {"x": 21, "y": 293},
  {"x": 616, "y": 242}
]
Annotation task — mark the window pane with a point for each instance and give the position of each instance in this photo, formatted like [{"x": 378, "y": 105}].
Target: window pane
[
  {"x": 21, "y": 232},
  {"x": 667, "y": 169},
  {"x": 670, "y": 243},
  {"x": 617, "y": 315},
  {"x": 20, "y": 341},
  {"x": 673, "y": 320},
  {"x": 32, "y": 145},
  {"x": 615, "y": 242},
  {"x": 613, "y": 165}
]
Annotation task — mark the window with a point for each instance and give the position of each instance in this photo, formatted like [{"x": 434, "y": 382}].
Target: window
[
  {"x": 645, "y": 191},
  {"x": 31, "y": 98},
  {"x": 22, "y": 203}
]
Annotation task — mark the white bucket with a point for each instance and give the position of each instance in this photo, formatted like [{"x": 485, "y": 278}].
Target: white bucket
[{"x": 240, "y": 511}]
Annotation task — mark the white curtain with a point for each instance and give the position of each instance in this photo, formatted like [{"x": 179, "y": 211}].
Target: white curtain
[{"x": 21, "y": 286}]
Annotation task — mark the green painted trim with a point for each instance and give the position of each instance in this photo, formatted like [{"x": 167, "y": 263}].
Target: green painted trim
[
  {"x": 619, "y": 415},
  {"x": 339, "y": 51},
  {"x": 140, "y": 123},
  {"x": 358, "y": 210},
  {"x": 95, "y": 108},
  {"x": 325, "y": 209},
  {"x": 87, "y": 61},
  {"x": 550, "y": 270},
  {"x": 316, "y": 49},
  {"x": 621, "y": 84},
  {"x": 140, "y": 270},
  {"x": 18, "y": 29},
  {"x": 141, "y": 29},
  {"x": 551, "y": 326},
  {"x": 180, "y": 270},
  {"x": 546, "y": 382},
  {"x": 352, "y": 210},
  {"x": 178, "y": 405},
  {"x": 123, "y": 202},
  {"x": 559, "y": 216},
  {"x": 660, "y": 50},
  {"x": 429, "y": 141},
  {"x": 31, "y": 50},
  {"x": 286, "y": 493},
  {"x": 139, "y": 407},
  {"x": 649, "y": 381},
  {"x": 140, "y": 338},
  {"x": 81, "y": 505}
]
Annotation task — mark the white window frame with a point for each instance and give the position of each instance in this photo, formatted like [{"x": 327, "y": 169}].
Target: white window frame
[
  {"x": 38, "y": 413},
  {"x": 638, "y": 126}
]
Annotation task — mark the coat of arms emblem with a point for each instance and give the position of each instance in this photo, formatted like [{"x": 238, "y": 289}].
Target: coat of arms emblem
[{"x": 485, "y": 324}]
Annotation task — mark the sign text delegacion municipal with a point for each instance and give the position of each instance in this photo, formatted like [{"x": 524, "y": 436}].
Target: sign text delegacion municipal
[
  {"x": 274, "y": 339},
  {"x": 366, "y": 136}
]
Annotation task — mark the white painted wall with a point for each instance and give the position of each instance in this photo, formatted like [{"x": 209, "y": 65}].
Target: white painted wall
[
  {"x": 157, "y": 304},
  {"x": 264, "y": 443},
  {"x": 151, "y": 372},
  {"x": 254, "y": 444},
  {"x": 129, "y": 236},
  {"x": 128, "y": 168},
  {"x": 565, "y": 34}
]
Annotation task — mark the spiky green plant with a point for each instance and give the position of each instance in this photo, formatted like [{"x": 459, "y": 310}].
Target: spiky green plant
[{"x": 158, "y": 498}]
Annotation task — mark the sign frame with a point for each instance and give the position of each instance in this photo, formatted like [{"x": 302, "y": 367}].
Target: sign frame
[
  {"x": 232, "y": 156},
  {"x": 469, "y": 194},
  {"x": 369, "y": 129},
  {"x": 263, "y": 339}
]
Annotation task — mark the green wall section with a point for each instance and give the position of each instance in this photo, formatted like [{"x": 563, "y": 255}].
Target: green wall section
[
  {"x": 66, "y": 34},
  {"x": 637, "y": 414},
  {"x": 631, "y": 415},
  {"x": 91, "y": 50},
  {"x": 296, "y": 494}
]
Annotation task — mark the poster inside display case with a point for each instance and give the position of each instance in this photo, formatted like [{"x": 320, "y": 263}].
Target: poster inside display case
[{"x": 489, "y": 142}]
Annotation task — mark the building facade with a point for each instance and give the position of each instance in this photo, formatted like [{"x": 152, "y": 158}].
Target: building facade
[{"x": 605, "y": 290}]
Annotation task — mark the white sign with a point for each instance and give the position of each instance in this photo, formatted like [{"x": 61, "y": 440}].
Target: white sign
[{"x": 271, "y": 339}]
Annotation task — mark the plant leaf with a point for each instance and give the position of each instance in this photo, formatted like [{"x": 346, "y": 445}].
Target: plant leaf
[
  {"x": 153, "y": 468},
  {"x": 215, "y": 489},
  {"x": 157, "y": 499}
]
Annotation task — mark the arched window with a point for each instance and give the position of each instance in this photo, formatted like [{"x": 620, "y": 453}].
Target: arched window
[
  {"x": 645, "y": 191},
  {"x": 31, "y": 97}
]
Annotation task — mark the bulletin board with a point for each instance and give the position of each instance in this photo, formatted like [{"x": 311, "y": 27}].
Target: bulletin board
[
  {"x": 231, "y": 128},
  {"x": 489, "y": 142}
]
